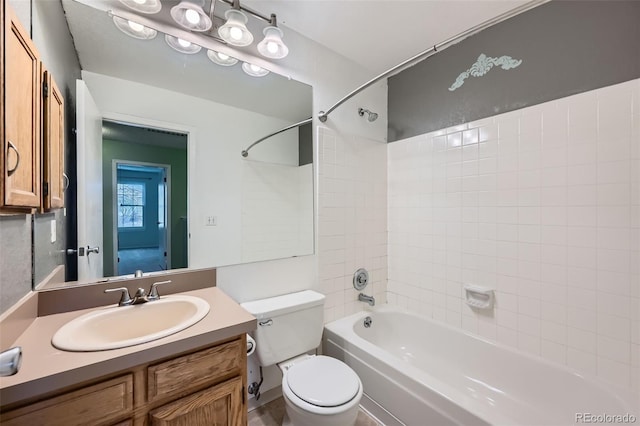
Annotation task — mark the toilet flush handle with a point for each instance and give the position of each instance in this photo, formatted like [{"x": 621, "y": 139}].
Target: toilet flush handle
[{"x": 267, "y": 322}]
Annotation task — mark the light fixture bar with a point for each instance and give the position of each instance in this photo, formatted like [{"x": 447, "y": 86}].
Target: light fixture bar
[{"x": 248, "y": 10}]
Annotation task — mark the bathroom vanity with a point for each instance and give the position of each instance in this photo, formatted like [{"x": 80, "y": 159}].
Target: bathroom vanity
[{"x": 196, "y": 376}]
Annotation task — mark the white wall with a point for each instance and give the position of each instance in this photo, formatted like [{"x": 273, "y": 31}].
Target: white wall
[{"x": 541, "y": 204}]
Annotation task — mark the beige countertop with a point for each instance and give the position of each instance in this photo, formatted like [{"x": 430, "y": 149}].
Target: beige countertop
[{"x": 46, "y": 369}]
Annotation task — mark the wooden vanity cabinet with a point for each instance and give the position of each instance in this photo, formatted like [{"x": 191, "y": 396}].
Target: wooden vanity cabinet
[
  {"x": 32, "y": 124},
  {"x": 204, "y": 387}
]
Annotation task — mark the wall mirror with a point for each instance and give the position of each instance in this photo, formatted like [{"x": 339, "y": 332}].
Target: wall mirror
[{"x": 165, "y": 186}]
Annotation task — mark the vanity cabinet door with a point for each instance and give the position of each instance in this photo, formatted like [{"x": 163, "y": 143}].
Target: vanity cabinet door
[
  {"x": 220, "y": 405},
  {"x": 21, "y": 96},
  {"x": 53, "y": 145}
]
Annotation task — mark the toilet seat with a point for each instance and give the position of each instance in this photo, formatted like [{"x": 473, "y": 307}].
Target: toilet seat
[{"x": 322, "y": 385}]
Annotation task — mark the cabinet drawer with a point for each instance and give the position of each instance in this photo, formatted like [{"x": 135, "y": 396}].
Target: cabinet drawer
[
  {"x": 98, "y": 404},
  {"x": 196, "y": 369}
]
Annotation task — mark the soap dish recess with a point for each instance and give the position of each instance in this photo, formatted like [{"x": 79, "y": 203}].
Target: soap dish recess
[{"x": 479, "y": 297}]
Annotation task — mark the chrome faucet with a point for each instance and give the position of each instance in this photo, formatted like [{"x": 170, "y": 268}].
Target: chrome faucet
[
  {"x": 369, "y": 299},
  {"x": 140, "y": 296}
]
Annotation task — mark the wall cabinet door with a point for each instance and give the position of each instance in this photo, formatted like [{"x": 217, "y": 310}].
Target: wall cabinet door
[
  {"x": 220, "y": 405},
  {"x": 22, "y": 111},
  {"x": 53, "y": 144}
]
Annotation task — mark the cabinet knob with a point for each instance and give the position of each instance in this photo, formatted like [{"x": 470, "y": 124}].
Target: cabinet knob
[{"x": 10, "y": 145}]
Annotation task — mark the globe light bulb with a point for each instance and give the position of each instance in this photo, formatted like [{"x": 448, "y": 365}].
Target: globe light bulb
[
  {"x": 192, "y": 16},
  {"x": 272, "y": 47},
  {"x": 235, "y": 33},
  {"x": 184, "y": 43},
  {"x": 223, "y": 56},
  {"x": 135, "y": 26},
  {"x": 140, "y": 1}
]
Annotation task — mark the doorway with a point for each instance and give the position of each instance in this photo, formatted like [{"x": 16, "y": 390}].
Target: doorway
[
  {"x": 145, "y": 198},
  {"x": 141, "y": 214}
]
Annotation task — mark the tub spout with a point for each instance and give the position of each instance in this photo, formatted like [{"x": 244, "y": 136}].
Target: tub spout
[{"x": 369, "y": 299}]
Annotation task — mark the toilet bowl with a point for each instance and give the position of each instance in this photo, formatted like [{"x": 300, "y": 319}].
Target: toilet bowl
[{"x": 320, "y": 391}]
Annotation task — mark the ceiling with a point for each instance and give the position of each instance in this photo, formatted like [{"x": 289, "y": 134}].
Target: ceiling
[{"x": 379, "y": 34}]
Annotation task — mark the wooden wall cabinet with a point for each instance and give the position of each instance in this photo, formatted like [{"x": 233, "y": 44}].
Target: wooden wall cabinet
[
  {"x": 29, "y": 121},
  {"x": 53, "y": 184},
  {"x": 205, "y": 387},
  {"x": 22, "y": 111}
]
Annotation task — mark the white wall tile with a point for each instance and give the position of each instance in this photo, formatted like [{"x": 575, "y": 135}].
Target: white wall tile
[{"x": 542, "y": 204}]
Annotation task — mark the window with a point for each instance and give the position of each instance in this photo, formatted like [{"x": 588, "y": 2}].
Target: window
[{"x": 130, "y": 205}]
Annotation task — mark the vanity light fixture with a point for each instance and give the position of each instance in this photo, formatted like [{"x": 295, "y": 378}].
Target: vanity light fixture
[
  {"x": 190, "y": 14},
  {"x": 254, "y": 70},
  {"x": 134, "y": 29},
  {"x": 144, "y": 6},
  {"x": 221, "y": 58},
  {"x": 182, "y": 46},
  {"x": 235, "y": 31},
  {"x": 272, "y": 45}
]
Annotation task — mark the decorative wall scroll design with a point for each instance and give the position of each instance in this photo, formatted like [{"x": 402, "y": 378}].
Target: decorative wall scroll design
[{"x": 483, "y": 65}]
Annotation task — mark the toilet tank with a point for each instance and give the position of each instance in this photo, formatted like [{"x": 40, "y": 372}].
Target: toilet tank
[{"x": 288, "y": 325}]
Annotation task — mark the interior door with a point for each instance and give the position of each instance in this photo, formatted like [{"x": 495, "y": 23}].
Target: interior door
[{"x": 89, "y": 155}]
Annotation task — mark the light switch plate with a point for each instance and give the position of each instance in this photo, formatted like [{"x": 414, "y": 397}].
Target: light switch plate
[{"x": 53, "y": 231}]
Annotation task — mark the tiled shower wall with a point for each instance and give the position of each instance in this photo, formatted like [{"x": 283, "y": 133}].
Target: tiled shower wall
[
  {"x": 540, "y": 204},
  {"x": 352, "y": 219}
]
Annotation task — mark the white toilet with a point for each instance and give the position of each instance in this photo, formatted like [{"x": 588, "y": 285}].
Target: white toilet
[{"x": 318, "y": 390}]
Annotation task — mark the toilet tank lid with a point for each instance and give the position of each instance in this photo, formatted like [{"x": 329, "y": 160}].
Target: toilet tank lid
[{"x": 286, "y": 303}]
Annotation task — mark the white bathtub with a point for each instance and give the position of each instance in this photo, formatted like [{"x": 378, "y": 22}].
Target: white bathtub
[{"x": 419, "y": 372}]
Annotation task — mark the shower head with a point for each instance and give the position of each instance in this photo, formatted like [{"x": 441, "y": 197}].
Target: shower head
[{"x": 371, "y": 116}]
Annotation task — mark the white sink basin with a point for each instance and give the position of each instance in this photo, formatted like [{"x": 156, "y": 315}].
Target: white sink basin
[{"x": 122, "y": 326}]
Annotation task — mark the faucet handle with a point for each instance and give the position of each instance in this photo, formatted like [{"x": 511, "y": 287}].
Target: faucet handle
[
  {"x": 153, "y": 291},
  {"x": 125, "y": 299}
]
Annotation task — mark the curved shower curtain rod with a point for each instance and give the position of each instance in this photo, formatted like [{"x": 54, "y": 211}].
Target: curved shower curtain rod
[
  {"x": 322, "y": 115},
  {"x": 245, "y": 152}
]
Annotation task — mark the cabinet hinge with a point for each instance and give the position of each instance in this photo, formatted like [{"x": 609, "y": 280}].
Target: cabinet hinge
[
  {"x": 45, "y": 188},
  {"x": 45, "y": 89}
]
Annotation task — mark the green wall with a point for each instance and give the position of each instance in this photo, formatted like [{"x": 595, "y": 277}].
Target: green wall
[{"x": 177, "y": 159}]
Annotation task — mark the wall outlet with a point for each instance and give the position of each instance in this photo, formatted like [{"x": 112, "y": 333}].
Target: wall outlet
[{"x": 211, "y": 221}]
